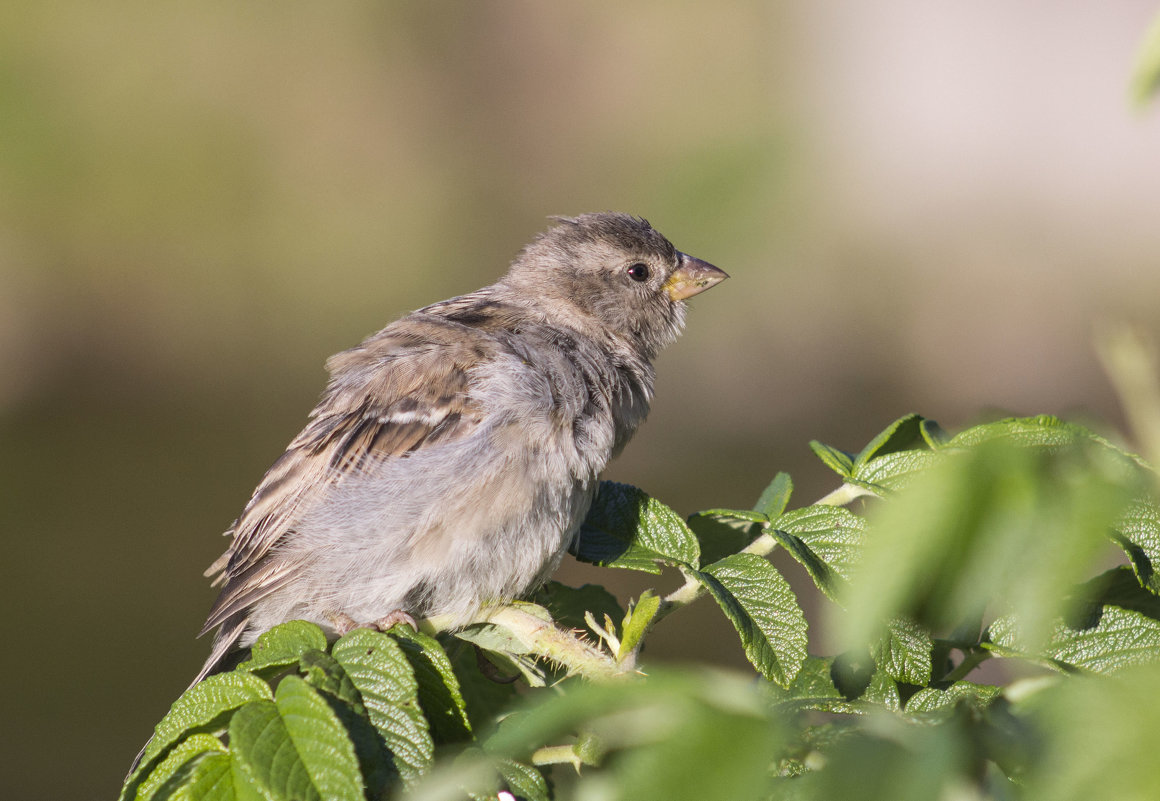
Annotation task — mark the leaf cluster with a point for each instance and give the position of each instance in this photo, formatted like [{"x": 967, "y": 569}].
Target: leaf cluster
[{"x": 937, "y": 554}]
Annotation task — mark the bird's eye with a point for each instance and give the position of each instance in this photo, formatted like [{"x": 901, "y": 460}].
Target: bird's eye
[{"x": 638, "y": 272}]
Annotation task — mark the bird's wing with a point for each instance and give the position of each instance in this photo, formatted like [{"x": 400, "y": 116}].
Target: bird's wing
[{"x": 405, "y": 388}]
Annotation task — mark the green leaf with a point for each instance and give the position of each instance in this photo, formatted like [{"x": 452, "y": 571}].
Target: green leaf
[
  {"x": 1100, "y": 738},
  {"x": 295, "y": 746},
  {"x": 995, "y": 520},
  {"x": 826, "y": 540},
  {"x": 1042, "y": 431},
  {"x": 626, "y": 528},
  {"x": 205, "y": 707},
  {"x": 1138, "y": 533},
  {"x": 282, "y": 646},
  {"x": 324, "y": 673},
  {"x": 377, "y": 762},
  {"x": 567, "y": 605},
  {"x": 524, "y": 781},
  {"x": 840, "y": 462},
  {"x": 905, "y": 652},
  {"x": 893, "y": 471},
  {"x": 883, "y": 691},
  {"x": 485, "y": 699},
  {"x": 741, "y": 516},
  {"x": 931, "y": 699},
  {"x": 813, "y": 688},
  {"x": 764, "y": 610},
  {"x": 933, "y": 434},
  {"x": 211, "y": 777},
  {"x": 1051, "y": 434},
  {"x": 377, "y": 667},
  {"x": 177, "y": 764},
  {"x": 663, "y": 729},
  {"x": 720, "y": 533},
  {"x": 1146, "y": 72},
  {"x": 1119, "y": 627},
  {"x": 904, "y": 434},
  {"x": 440, "y": 696},
  {"x": 775, "y": 497},
  {"x": 636, "y": 622}
]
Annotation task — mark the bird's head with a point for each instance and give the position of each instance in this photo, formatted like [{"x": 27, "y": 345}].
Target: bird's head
[{"x": 611, "y": 274}]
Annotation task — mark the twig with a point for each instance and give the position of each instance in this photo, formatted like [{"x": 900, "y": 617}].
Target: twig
[{"x": 543, "y": 638}]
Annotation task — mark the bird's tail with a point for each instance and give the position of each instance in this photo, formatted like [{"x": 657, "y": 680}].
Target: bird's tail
[{"x": 224, "y": 655}]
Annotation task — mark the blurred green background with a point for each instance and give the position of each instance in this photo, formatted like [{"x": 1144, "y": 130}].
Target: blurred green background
[{"x": 924, "y": 207}]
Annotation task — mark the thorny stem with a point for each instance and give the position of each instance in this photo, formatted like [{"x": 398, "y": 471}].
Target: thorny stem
[{"x": 544, "y": 638}]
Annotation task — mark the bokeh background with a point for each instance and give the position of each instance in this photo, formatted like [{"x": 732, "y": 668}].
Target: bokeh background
[{"x": 924, "y": 206}]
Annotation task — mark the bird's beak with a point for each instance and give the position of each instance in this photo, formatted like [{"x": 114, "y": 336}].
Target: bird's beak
[{"x": 692, "y": 277}]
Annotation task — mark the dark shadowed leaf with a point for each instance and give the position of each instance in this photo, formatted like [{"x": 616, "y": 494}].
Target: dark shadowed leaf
[
  {"x": 904, "y": 434},
  {"x": 628, "y": 529},
  {"x": 568, "y": 604},
  {"x": 721, "y": 533},
  {"x": 440, "y": 696}
]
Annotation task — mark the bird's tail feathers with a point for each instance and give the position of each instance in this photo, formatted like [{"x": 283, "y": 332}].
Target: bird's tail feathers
[{"x": 219, "y": 659}]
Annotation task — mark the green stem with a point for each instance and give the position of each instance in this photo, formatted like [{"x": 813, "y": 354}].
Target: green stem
[
  {"x": 557, "y": 755},
  {"x": 844, "y": 495},
  {"x": 545, "y": 638}
]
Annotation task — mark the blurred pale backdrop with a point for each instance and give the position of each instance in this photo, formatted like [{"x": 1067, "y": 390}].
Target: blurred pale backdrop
[{"x": 924, "y": 207}]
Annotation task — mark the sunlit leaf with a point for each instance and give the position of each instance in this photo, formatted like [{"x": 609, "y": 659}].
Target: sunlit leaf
[
  {"x": 762, "y": 607},
  {"x": 775, "y": 497},
  {"x": 905, "y": 652},
  {"x": 379, "y": 670},
  {"x": 295, "y": 746},
  {"x": 282, "y": 646},
  {"x": 827, "y": 540},
  {"x": 840, "y": 462}
]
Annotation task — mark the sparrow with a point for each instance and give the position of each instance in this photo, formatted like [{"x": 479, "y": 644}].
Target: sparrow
[{"x": 455, "y": 453}]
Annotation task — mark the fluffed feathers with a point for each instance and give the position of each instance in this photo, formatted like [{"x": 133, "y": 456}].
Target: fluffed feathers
[{"x": 454, "y": 453}]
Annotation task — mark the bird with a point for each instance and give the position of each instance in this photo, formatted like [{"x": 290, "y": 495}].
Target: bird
[{"x": 454, "y": 454}]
